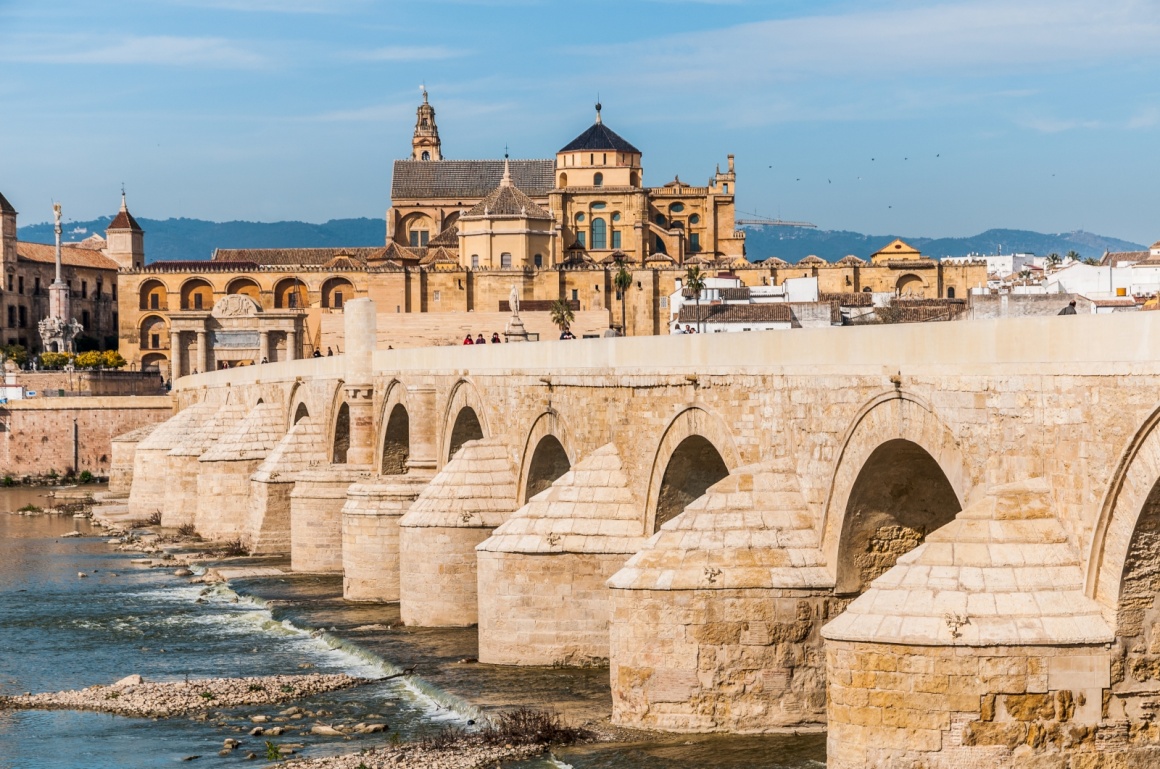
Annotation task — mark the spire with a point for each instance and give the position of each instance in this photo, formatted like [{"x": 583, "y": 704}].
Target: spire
[
  {"x": 124, "y": 206},
  {"x": 506, "y": 181},
  {"x": 598, "y": 120}
]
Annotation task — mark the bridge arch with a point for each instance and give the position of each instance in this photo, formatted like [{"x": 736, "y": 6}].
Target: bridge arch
[
  {"x": 463, "y": 421},
  {"x": 547, "y": 455},
  {"x": 1126, "y": 532},
  {"x": 696, "y": 451},
  {"x": 394, "y": 444},
  {"x": 900, "y": 475}
]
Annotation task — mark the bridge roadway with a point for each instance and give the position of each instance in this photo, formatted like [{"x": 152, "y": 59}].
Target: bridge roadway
[{"x": 940, "y": 541}]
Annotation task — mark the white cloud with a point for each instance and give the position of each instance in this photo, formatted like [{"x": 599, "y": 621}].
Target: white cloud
[
  {"x": 164, "y": 50},
  {"x": 411, "y": 53}
]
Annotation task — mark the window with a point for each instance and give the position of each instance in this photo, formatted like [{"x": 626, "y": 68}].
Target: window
[
  {"x": 591, "y": 158},
  {"x": 605, "y": 160},
  {"x": 116, "y": 320},
  {"x": 155, "y": 341},
  {"x": 293, "y": 300},
  {"x": 725, "y": 188},
  {"x": 426, "y": 155},
  {"x": 23, "y": 317},
  {"x": 86, "y": 319},
  {"x": 580, "y": 218},
  {"x": 695, "y": 219},
  {"x": 100, "y": 287},
  {"x": 538, "y": 260},
  {"x": 419, "y": 238},
  {"x": 660, "y": 246},
  {"x": 114, "y": 290},
  {"x": 10, "y": 278},
  {"x": 505, "y": 260},
  {"x": 599, "y": 233},
  {"x": 20, "y": 283},
  {"x": 599, "y": 206},
  {"x": 197, "y": 301},
  {"x": 338, "y": 300},
  {"x": 36, "y": 286},
  {"x": 951, "y": 292},
  {"x": 575, "y": 295},
  {"x": 598, "y": 180},
  {"x": 436, "y": 296},
  {"x": 11, "y": 317},
  {"x": 616, "y": 238},
  {"x": 475, "y": 261},
  {"x": 84, "y": 289},
  {"x": 660, "y": 219},
  {"x": 695, "y": 242},
  {"x": 616, "y": 217},
  {"x": 581, "y": 238},
  {"x": 677, "y": 208}
]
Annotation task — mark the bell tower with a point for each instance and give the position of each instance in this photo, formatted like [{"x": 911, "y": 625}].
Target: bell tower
[
  {"x": 425, "y": 143},
  {"x": 7, "y": 232}
]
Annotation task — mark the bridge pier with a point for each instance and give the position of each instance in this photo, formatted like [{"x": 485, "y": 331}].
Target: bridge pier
[
  {"x": 123, "y": 450},
  {"x": 978, "y": 648},
  {"x": 273, "y": 482},
  {"x": 370, "y": 535},
  {"x": 473, "y": 494},
  {"x": 543, "y": 597},
  {"x": 186, "y": 472},
  {"x": 224, "y": 486},
  {"x": 716, "y": 622},
  {"x": 152, "y": 485},
  {"x": 316, "y": 516}
]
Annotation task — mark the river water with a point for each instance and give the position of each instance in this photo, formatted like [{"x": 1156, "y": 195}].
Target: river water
[{"x": 59, "y": 631}]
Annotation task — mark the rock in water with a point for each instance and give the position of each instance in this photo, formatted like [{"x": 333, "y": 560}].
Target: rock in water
[
  {"x": 81, "y": 574},
  {"x": 71, "y": 534},
  {"x": 133, "y": 680},
  {"x": 326, "y": 731},
  {"x": 183, "y": 573}
]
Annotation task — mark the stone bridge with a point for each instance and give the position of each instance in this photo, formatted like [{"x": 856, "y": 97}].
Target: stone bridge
[{"x": 939, "y": 541}]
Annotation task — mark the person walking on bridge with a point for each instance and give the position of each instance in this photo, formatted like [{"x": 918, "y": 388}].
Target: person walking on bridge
[{"x": 1069, "y": 310}]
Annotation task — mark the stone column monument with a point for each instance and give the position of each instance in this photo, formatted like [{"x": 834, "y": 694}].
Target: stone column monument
[
  {"x": 515, "y": 331},
  {"x": 58, "y": 330}
]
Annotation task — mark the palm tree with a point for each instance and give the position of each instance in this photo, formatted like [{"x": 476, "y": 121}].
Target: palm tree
[
  {"x": 562, "y": 315},
  {"x": 623, "y": 281},
  {"x": 695, "y": 283},
  {"x": 1053, "y": 259},
  {"x": 1073, "y": 255}
]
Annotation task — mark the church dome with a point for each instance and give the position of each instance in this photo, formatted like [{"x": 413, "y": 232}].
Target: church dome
[{"x": 599, "y": 138}]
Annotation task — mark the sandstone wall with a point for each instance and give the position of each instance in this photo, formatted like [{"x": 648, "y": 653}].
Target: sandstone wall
[
  {"x": 36, "y": 435},
  {"x": 316, "y": 518},
  {"x": 402, "y": 330}
]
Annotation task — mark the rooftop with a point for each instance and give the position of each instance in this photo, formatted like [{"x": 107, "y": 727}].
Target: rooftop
[
  {"x": 599, "y": 137},
  {"x": 70, "y": 256},
  {"x": 468, "y": 178}
]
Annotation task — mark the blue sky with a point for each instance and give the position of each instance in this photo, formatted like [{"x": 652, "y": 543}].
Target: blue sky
[{"x": 925, "y": 118}]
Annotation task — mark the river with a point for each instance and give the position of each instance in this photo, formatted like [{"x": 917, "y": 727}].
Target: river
[{"x": 60, "y": 631}]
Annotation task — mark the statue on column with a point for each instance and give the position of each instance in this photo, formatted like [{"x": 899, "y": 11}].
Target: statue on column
[
  {"x": 515, "y": 331},
  {"x": 58, "y": 330}
]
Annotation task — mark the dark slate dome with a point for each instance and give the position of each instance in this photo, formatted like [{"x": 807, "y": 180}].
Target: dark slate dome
[{"x": 599, "y": 138}]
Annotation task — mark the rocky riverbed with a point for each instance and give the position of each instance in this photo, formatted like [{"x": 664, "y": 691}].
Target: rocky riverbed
[
  {"x": 132, "y": 696},
  {"x": 466, "y": 754}
]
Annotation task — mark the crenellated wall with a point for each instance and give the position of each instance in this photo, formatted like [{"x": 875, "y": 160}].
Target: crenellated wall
[{"x": 721, "y": 517}]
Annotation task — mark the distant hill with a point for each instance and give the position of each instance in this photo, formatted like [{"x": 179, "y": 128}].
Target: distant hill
[
  {"x": 170, "y": 239},
  {"x": 793, "y": 243}
]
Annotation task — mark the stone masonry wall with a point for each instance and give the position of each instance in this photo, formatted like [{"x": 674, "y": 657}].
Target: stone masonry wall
[
  {"x": 370, "y": 536},
  {"x": 437, "y": 581},
  {"x": 693, "y": 660},
  {"x": 36, "y": 435},
  {"x": 316, "y": 518},
  {"x": 545, "y": 609}
]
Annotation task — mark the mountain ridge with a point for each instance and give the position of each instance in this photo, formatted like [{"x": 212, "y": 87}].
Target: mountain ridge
[{"x": 192, "y": 239}]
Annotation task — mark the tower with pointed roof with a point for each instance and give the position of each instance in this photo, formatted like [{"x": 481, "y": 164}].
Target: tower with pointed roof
[
  {"x": 7, "y": 231},
  {"x": 506, "y": 230},
  {"x": 126, "y": 239},
  {"x": 425, "y": 143},
  {"x": 599, "y": 157}
]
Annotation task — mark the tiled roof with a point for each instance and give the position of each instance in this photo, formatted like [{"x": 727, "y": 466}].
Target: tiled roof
[
  {"x": 344, "y": 262},
  {"x": 291, "y": 257},
  {"x": 763, "y": 312},
  {"x": 440, "y": 255},
  {"x": 507, "y": 201},
  {"x": 597, "y": 138},
  {"x": 850, "y": 261},
  {"x": 5, "y": 206},
  {"x": 1115, "y": 258},
  {"x": 469, "y": 179},
  {"x": 773, "y": 261},
  {"x": 848, "y": 299},
  {"x": 71, "y": 256},
  {"x": 449, "y": 237},
  {"x": 124, "y": 221},
  {"x": 897, "y": 247},
  {"x": 813, "y": 259},
  {"x": 735, "y": 294}
]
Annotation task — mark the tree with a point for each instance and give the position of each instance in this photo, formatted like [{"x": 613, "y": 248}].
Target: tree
[
  {"x": 623, "y": 281},
  {"x": 90, "y": 359},
  {"x": 1053, "y": 259},
  {"x": 1075, "y": 257},
  {"x": 695, "y": 284},
  {"x": 15, "y": 353},
  {"x": 54, "y": 360},
  {"x": 1090, "y": 260},
  {"x": 114, "y": 359},
  {"x": 562, "y": 315}
]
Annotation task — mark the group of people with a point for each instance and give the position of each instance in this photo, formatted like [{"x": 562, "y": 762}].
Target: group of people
[
  {"x": 686, "y": 330},
  {"x": 495, "y": 339},
  {"x": 318, "y": 353}
]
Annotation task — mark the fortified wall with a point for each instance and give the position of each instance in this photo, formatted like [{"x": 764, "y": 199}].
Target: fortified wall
[{"x": 934, "y": 540}]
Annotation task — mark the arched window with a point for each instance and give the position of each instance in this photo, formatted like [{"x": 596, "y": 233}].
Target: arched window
[
  {"x": 599, "y": 233},
  {"x": 951, "y": 292},
  {"x": 538, "y": 260},
  {"x": 426, "y": 155},
  {"x": 598, "y": 179},
  {"x": 563, "y": 181}
]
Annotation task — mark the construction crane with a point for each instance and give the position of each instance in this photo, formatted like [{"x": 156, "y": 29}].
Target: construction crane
[{"x": 767, "y": 222}]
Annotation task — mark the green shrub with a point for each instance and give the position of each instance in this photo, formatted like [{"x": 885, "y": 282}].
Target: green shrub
[{"x": 84, "y": 477}]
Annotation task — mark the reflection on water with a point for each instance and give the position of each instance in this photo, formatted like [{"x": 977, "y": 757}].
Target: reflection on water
[{"x": 59, "y": 631}]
